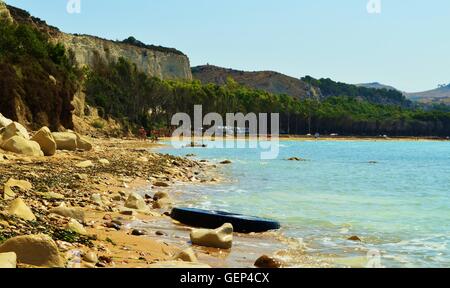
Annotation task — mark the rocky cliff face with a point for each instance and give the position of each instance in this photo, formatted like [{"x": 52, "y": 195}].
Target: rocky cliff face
[
  {"x": 164, "y": 63},
  {"x": 269, "y": 81}
]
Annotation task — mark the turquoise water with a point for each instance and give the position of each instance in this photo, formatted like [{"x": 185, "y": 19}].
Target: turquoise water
[{"x": 399, "y": 205}]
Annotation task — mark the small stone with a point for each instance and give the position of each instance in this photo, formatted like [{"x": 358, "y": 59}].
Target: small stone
[
  {"x": 187, "y": 255},
  {"x": 112, "y": 225},
  {"x": 135, "y": 201},
  {"x": 97, "y": 199},
  {"x": 225, "y": 162},
  {"x": 128, "y": 212},
  {"x": 76, "y": 227},
  {"x": 75, "y": 213},
  {"x": 19, "y": 209},
  {"x": 160, "y": 233},
  {"x": 355, "y": 239},
  {"x": 85, "y": 164},
  {"x": 90, "y": 257},
  {"x": 161, "y": 184},
  {"x": 104, "y": 161},
  {"x": 137, "y": 232},
  {"x": 267, "y": 262}
]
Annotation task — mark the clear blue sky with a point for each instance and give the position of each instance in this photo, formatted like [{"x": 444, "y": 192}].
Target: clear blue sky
[{"x": 406, "y": 46}]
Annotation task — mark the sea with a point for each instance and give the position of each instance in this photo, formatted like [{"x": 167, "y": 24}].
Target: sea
[{"x": 393, "y": 195}]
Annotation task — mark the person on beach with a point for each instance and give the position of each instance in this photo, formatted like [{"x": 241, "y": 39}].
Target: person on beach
[{"x": 142, "y": 133}]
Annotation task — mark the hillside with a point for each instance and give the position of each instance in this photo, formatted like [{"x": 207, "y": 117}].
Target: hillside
[
  {"x": 161, "y": 62},
  {"x": 268, "y": 81},
  {"x": 376, "y": 85},
  {"x": 439, "y": 95}
]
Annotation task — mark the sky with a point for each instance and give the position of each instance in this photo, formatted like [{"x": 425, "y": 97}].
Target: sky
[{"x": 406, "y": 45}]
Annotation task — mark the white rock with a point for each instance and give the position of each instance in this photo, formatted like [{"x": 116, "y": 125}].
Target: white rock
[
  {"x": 19, "y": 209},
  {"x": 19, "y": 145},
  {"x": 15, "y": 129},
  {"x": 45, "y": 139},
  {"x": 4, "y": 121},
  {"x": 221, "y": 237}
]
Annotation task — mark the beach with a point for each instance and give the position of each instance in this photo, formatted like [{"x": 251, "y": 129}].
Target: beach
[{"x": 118, "y": 168}]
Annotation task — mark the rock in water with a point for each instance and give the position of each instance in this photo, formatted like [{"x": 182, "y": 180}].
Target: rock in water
[
  {"x": 45, "y": 139},
  {"x": 19, "y": 209},
  {"x": 15, "y": 129},
  {"x": 36, "y": 250},
  {"x": 8, "y": 260},
  {"x": 267, "y": 262},
  {"x": 221, "y": 237},
  {"x": 135, "y": 201},
  {"x": 187, "y": 255},
  {"x": 355, "y": 239},
  {"x": 75, "y": 213},
  {"x": 65, "y": 141},
  {"x": 76, "y": 227},
  {"x": 19, "y": 145},
  {"x": 226, "y": 162}
]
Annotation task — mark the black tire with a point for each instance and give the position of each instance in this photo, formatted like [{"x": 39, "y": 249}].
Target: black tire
[{"x": 214, "y": 219}]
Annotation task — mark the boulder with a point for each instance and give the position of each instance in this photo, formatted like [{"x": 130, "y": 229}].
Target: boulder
[
  {"x": 76, "y": 227},
  {"x": 135, "y": 201},
  {"x": 221, "y": 237},
  {"x": 4, "y": 122},
  {"x": 19, "y": 209},
  {"x": 15, "y": 129},
  {"x": 83, "y": 143},
  {"x": 187, "y": 255},
  {"x": 36, "y": 250},
  {"x": 65, "y": 140},
  {"x": 45, "y": 139},
  {"x": 75, "y": 213},
  {"x": 8, "y": 260},
  {"x": 19, "y": 145}
]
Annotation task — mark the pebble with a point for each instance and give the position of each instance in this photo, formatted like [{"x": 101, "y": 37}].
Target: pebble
[{"x": 137, "y": 232}]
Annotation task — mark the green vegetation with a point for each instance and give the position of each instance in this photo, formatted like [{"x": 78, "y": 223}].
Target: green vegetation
[
  {"x": 330, "y": 88},
  {"x": 120, "y": 91},
  {"x": 37, "y": 78}
]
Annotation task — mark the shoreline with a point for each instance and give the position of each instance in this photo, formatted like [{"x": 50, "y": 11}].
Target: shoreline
[{"x": 101, "y": 190}]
